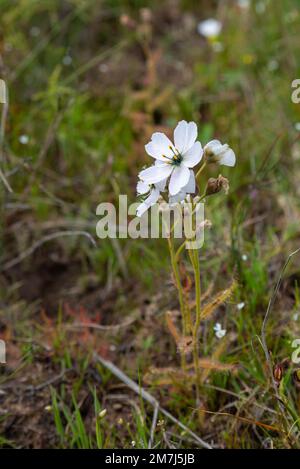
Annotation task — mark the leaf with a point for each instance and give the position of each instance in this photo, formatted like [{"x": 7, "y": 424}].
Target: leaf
[
  {"x": 184, "y": 344},
  {"x": 211, "y": 364}
]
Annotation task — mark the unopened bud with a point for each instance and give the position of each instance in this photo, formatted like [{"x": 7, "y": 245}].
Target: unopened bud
[
  {"x": 278, "y": 372},
  {"x": 216, "y": 185}
]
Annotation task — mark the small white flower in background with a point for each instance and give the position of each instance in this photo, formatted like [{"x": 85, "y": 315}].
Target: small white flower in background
[
  {"x": 133, "y": 443},
  {"x": 173, "y": 161},
  {"x": 295, "y": 316},
  {"x": 153, "y": 192},
  {"x": 24, "y": 139},
  {"x": 217, "y": 152},
  {"x": 244, "y": 257},
  {"x": 102, "y": 413},
  {"x": 244, "y": 4},
  {"x": 297, "y": 126},
  {"x": 240, "y": 305},
  {"x": 220, "y": 333},
  {"x": 67, "y": 60},
  {"x": 210, "y": 28}
]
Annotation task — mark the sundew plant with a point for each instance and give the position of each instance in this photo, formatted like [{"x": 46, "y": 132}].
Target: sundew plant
[{"x": 177, "y": 177}]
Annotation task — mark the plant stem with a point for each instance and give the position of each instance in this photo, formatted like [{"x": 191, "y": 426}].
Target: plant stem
[
  {"x": 196, "y": 268},
  {"x": 180, "y": 294}
]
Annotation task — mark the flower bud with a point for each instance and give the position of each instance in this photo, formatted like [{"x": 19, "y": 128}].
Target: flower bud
[
  {"x": 278, "y": 372},
  {"x": 216, "y": 185}
]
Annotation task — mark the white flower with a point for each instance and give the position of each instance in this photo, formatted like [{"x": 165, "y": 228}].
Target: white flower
[
  {"x": 244, "y": 4},
  {"x": 173, "y": 161},
  {"x": 220, "y": 153},
  {"x": 190, "y": 188},
  {"x": 244, "y": 257},
  {"x": 153, "y": 191},
  {"x": 210, "y": 28},
  {"x": 67, "y": 60},
  {"x": 297, "y": 126},
  {"x": 241, "y": 305},
  {"x": 24, "y": 139},
  {"x": 219, "y": 331}
]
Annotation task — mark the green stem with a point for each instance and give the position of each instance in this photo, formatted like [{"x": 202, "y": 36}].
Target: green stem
[{"x": 200, "y": 170}]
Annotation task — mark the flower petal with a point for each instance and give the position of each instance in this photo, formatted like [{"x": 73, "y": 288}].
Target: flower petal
[
  {"x": 228, "y": 158},
  {"x": 193, "y": 155},
  {"x": 142, "y": 208},
  {"x": 162, "y": 144},
  {"x": 155, "y": 173},
  {"x": 153, "y": 197},
  {"x": 142, "y": 187},
  {"x": 190, "y": 188},
  {"x": 155, "y": 151},
  {"x": 161, "y": 185},
  {"x": 181, "y": 136},
  {"x": 151, "y": 200},
  {"x": 179, "y": 179}
]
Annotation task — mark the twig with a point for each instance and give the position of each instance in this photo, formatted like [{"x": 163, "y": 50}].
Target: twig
[
  {"x": 148, "y": 397},
  {"x": 42, "y": 241},
  {"x": 100, "y": 327},
  {"x": 5, "y": 181},
  {"x": 50, "y": 381}
]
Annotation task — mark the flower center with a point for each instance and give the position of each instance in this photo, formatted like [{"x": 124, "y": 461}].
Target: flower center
[{"x": 177, "y": 159}]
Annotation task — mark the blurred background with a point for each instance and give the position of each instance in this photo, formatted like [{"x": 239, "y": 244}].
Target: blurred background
[{"x": 89, "y": 81}]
